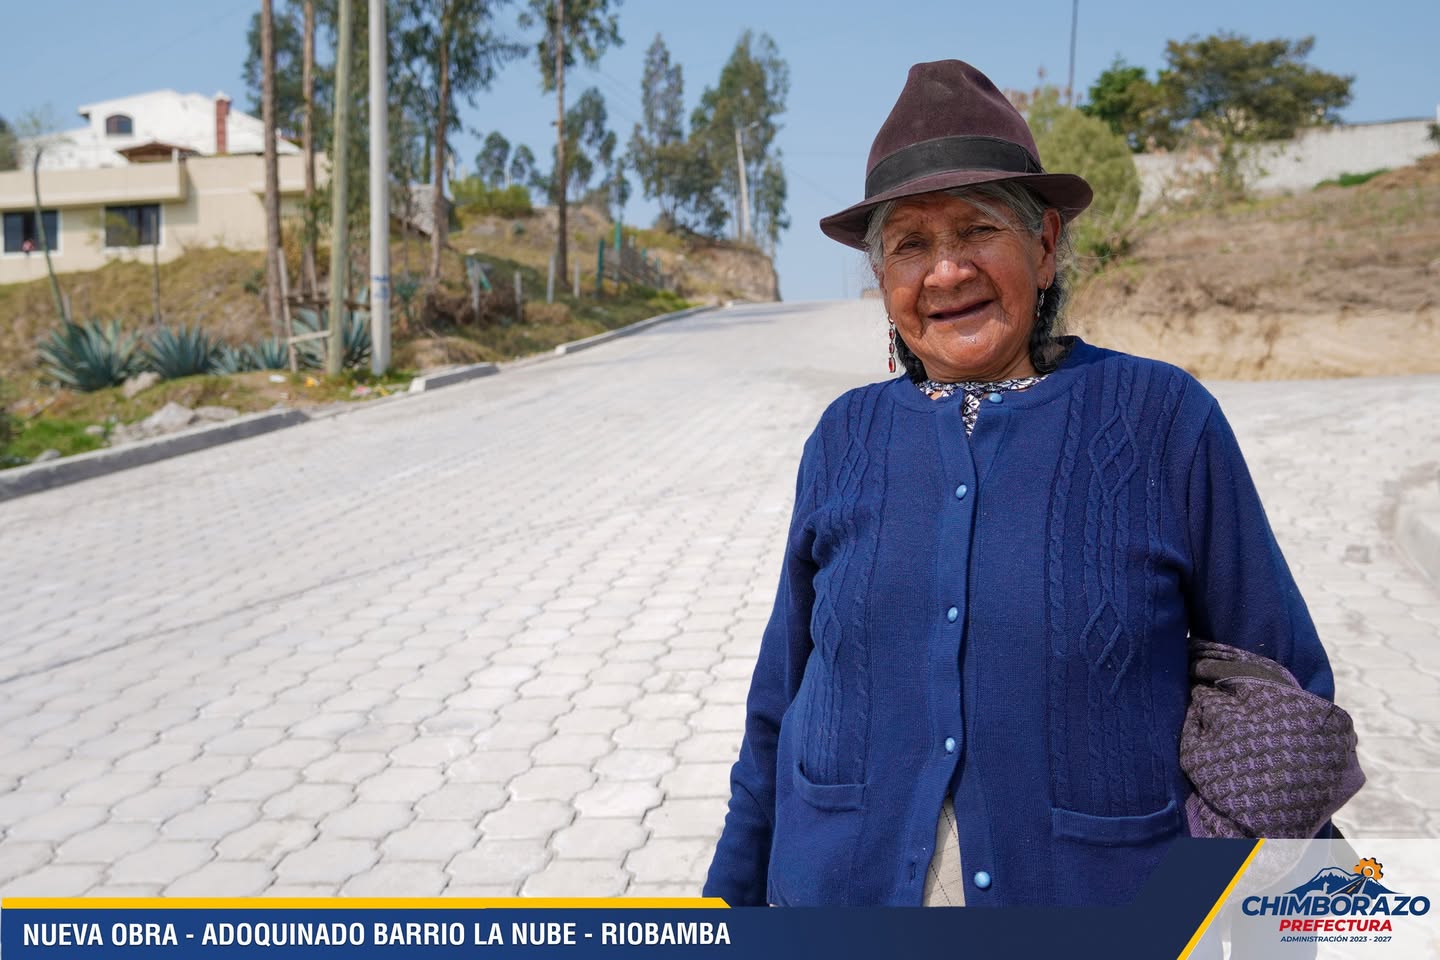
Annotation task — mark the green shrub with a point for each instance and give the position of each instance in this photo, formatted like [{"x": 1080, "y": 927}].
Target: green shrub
[
  {"x": 269, "y": 354},
  {"x": 180, "y": 353},
  {"x": 1352, "y": 179},
  {"x": 355, "y": 337},
  {"x": 230, "y": 360},
  {"x": 473, "y": 197},
  {"x": 1071, "y": 142},
  {"x": 91, "y": 356}
]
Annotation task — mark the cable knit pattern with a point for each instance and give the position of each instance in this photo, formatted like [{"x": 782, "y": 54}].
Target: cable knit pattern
[
  {"x": 834, "y": 745},
  {"x": 1000, "y": 619}
]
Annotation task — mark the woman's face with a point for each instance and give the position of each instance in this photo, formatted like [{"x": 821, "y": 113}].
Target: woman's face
[{"x": 961, "y": 285}]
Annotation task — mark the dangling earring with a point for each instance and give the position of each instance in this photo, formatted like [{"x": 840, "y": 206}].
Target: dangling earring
[
  {"x": 1040, "y": 302},
  {"x": 892, "y": 346}
]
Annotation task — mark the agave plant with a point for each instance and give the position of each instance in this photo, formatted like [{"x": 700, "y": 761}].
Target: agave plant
[
  {"x": 91, "y": 356},
  {"x": 229, "y": 360},
  {"x": 180, "y": 353},
  {"x": 269, "y": 354},
  {"x": 355, "y": 337}
]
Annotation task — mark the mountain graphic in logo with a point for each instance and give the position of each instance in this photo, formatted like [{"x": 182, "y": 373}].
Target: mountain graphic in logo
[{"x": 1332, "y": 881}]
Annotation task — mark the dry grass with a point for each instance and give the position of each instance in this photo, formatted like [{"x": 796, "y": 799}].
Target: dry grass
[{"x": 1335, "y": 282}]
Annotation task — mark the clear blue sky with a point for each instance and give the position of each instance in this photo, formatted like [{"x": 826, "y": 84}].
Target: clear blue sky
[{"x": 848, "y": 61}]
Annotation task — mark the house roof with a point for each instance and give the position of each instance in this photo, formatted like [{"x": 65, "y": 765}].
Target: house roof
[{"x": 183, "y": 120}]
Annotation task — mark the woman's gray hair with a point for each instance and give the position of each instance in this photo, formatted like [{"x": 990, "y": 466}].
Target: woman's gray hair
[{"x": 1025, "y": 207}]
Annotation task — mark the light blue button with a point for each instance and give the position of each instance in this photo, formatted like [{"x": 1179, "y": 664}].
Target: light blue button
[
  {"x": 952, "y": 614},
  {"x": 960, "y": 492},
  {"x": 949, "y": 744},
  {"x": 982, "y": 880},
  {"x": 994, "y": 398}
]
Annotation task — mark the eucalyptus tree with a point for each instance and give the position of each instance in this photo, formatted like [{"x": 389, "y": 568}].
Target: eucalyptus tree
[
  {"x": 743, "y": 109},
  {"x": 574, "y": 31},
  {"x": 458, "y": 52}
]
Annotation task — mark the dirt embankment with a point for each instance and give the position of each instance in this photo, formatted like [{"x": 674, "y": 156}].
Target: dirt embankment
[{"x": 1336, "y": 282}]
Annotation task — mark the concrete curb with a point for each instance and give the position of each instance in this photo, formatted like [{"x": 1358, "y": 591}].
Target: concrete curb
[
  {"x": 444, "y": 378},
  {"x": 96, "y": 463},
  {"x": 1417, "y": 531},
  {"x": 576, "y": 345}
]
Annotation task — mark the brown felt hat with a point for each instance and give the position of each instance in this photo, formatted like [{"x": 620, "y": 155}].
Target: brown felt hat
[{"x": 952, "y": 128}]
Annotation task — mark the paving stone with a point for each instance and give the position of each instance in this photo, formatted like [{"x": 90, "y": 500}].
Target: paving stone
[
  {"x": 667, "y": 860},
  {"x": 399, "y": 784},
  {"x": 576, "y": 878},
  {"x": 572, "y": 748},
  {"x": 162, "y": 862},
  {"x": 397, "y": 880},
  {"x": 594, "y": 838},
  {"x": 158, "y": 804},
  {"x": 55, "y": 880},
  {"x": 526, "y": 820},
  {"x": 461, "y": 801},
  {"x": 652, "y": 734},
  {"x": 697, "y": 780},
  {"x": 610, "y": 798},
  {"x": 489, "y": 766},
  {"x": 309, "y": 801},
  {"x": 628, "y": 764},
  {"x": 433, "y": 841},
  {"x": 211, "y": 821},
  {"x": 559, "y": 783},
  {"x": 293, "y": 752},
  {"x": 22, "y": 858},
  {"x": 495, "y": 862},
  {"x": 266, "y": 841},
  {"x": 223, "y": 878},
  {"x": 255, "y": 785},
  {"x": 351, "y": 767},
  {"x": 699, "y": 817},
  {"x": 366, "y": 820},
  {"x": 326, "y": 861}
]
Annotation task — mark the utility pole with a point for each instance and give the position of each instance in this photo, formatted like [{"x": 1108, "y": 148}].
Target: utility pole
[
  {"x": 744, "y": 186},
  {"x": 339, "y": 252},
  {"x": 379, "y": 195},
  {"x": 560, "y": 176},
  {"x": 1074, "y": 20}
]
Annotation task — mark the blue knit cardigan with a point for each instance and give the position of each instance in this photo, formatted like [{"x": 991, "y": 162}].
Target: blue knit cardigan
[{"x": 1003, "y": 618}]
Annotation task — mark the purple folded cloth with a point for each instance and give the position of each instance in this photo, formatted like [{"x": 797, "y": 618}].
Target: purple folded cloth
[{"x": 1266, "y": 757}]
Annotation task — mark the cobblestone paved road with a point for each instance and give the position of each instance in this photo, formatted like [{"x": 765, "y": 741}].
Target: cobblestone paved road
[{"x": 496, "y": 639}]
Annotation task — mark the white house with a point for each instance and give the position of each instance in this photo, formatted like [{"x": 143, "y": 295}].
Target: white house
[
  {"x": 149, "y": 175},
  {"x": 151, "y": 125}
]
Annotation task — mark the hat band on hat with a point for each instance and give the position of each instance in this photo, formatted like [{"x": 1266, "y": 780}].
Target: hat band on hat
[{"x": 945, "y": 154}]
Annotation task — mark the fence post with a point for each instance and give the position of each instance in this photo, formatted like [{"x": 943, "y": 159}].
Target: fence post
[
  {"x": 577, "y": 278},
  {"x": 519, "y": 299},
  {"x": 550, "y": 281}
]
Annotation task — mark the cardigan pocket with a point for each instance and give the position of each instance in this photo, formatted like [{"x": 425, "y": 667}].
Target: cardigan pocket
[
  {"x": 817, "y": 827},
  {"x": 1115, "y": 831},
  {"x": 828, "y": 796},
  {"x": 1121, "y": 850}
]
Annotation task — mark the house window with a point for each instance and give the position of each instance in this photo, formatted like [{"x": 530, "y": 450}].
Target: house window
[
  {"x": 21, "y": 235},
  {"x": 119, "y": 125},
  {"x": 133, "y": 226}
]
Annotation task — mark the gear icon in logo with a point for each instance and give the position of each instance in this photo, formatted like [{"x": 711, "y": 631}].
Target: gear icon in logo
[{"x": 1370, "y": 867}]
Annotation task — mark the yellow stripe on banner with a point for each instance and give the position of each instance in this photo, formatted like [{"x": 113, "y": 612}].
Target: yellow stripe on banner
[
  {"x": 359, "y": 903},
  {"x": 1210, "y": 917}
]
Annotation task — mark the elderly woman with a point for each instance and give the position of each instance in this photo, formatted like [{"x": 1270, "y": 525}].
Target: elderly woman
[{"x": 973, "y": 684}]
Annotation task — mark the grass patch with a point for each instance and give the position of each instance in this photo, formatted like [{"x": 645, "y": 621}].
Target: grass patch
[
  {"x": 1352, "y": 179},
  {"x": 50, "y": 433}
]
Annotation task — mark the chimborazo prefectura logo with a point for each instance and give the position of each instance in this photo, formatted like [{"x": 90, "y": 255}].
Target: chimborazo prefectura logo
[{"x": 1337, "y": 900}]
